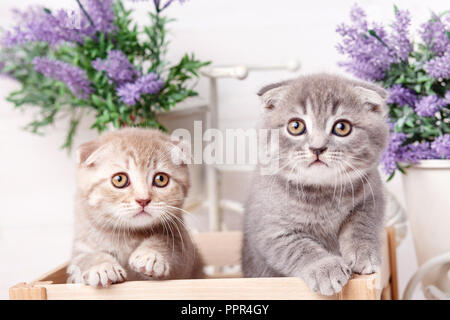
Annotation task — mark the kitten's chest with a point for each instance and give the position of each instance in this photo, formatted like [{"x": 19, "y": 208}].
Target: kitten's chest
[
  {"x": 123, "y": 253},
  {"x": 318, "y": 212},
  {"x": 120, "y": 248},
  {"x": 323, "y": 220}
]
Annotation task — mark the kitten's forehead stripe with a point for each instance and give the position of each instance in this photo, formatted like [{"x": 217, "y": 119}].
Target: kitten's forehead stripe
[
  {"x": 149, "y": 162},
  {"x": 304, "y": 110},
  {"x": 335, "y": 105}
]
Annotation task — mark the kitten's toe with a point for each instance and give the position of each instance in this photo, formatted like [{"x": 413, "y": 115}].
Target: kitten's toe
[
  {"x": 327, "y": 276},
  {"x": 366, "y": 261},
  {"x": 104, "y": 274},
  {"x": 151, "y": 263}
]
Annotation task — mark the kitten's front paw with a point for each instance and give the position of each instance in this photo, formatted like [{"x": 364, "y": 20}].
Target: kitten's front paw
[
  {"x": 327, "y": 276},
  {"x": 364, "y": 260},
  {"x": 104, "y": 274},
  {"x": 149, "y": 262}
]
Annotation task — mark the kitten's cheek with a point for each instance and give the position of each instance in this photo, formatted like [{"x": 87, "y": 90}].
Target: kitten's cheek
[{"x": 94, "y": 198}]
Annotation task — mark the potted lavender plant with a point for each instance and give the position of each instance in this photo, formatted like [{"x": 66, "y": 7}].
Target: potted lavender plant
[
  {"x": 95, "y": 60},
  {"x": 417, "y": 76}
]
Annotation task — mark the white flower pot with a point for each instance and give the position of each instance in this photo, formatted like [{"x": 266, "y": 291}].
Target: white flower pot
[{"x": 427, "y": 195}]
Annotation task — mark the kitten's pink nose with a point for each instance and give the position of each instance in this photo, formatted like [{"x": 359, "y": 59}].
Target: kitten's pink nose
[{"x": 143, "y": 202}]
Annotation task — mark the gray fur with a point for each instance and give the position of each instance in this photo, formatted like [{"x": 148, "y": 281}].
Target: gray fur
[{"x": 319, "y": 223}]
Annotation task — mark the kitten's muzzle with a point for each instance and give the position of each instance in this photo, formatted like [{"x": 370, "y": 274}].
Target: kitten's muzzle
[
  {"x": 143, "y": 202},
  {"x": 318, "y": 151}
]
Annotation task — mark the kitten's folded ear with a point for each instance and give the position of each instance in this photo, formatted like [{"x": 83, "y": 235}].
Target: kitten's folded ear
[
  {"x": 372, "y": 95},
  {"x": 270, "y": 93},
  {"x": 89, "y": 152}
]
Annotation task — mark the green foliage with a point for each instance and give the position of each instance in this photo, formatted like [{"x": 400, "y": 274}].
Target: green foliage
[
  {"x": 410, "y": 74},
  {"x": 146, "y": 49}
]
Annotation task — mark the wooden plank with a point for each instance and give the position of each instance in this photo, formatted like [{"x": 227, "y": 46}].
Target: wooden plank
[
  {"x": 23, "y": 291},
  {"x": 57, "y": 275},
  {"x": 392, "y": 245},
  {"x": 215, "y": 289},
  {"x": 385, "y": 269},
  {"x": 362, "y": 287},
  {"x": 386, "y": 294}
]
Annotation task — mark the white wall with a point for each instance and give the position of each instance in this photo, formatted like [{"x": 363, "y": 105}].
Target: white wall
[{"x": 37, "y": 179}]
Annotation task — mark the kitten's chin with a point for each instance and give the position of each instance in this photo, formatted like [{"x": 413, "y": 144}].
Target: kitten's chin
[
  {"x": 319, "y": 174},
  {"x": 142, "y": 220}
]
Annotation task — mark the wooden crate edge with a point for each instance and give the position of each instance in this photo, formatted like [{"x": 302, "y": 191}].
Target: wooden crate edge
[{"x": 24, "y": 291}]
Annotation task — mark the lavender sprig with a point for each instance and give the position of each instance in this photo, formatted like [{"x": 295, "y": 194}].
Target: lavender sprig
[
  {"x": 428, "y": 106},
  {"x": 130, "y": 93},
  {"x": 368, "y": 56},
  {"x": 399, "y": 39},
  {"x": 401, "y": 96},
  {"x": 117, "y": 67},
  {"x": 40, "y": 25},
  {"x": 435, "y": 34},
  {"x": 439, "y": 67},
  {"x": 74, "y": 77}
]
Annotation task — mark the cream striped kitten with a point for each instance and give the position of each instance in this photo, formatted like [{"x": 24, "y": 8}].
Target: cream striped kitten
[{"x": 128, "y": 216}]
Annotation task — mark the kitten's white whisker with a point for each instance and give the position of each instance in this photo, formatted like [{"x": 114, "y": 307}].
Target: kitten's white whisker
[
  {"x": 171, "y": 231},
  {"x": 351, "y": 184},
  {"x": 171, "y": 219},
  {"x": 364, "y": 176}
]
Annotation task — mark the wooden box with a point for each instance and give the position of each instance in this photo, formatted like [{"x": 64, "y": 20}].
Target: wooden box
[{"x": 219, "y": 250}]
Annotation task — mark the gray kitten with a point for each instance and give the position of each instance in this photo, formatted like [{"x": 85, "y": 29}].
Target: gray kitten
[{"x": 320, "y": 216}]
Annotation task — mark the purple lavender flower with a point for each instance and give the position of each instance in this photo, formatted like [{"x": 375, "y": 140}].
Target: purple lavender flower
[
  {"x": 434, "y": 34},
  {"x": 150, "y": 83},
  {"x": 428, "y": 106},
  {"x": 102, "y": 15},
  {"x": 131, "y": 92},
  {"x": 439, "y": 67},
  {"x": 413, "y": 153},
  {"x": 368, "y": 57},
  {"x": 64, "y": 26},
  {"x": 390, "y": 156},
  {"x": 441, "y": 146},
  {"x": 40, "y": 25},
  {"x": 399, "y": 38},
  {"x": 117, "y": 67},
  {"x": 401, "y": 96},
  {"x": 74, "y": 77}
]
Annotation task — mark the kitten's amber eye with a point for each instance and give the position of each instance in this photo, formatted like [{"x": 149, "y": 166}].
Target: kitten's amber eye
[
  {"x": 161, "y": 180},
  {"x": 342, "y": 128},
  {"x": 296, "y": 127},
  {"x": 120, "y": 180}
]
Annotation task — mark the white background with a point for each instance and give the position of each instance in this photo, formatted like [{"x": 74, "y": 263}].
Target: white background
[{"x": 37, "y": 179}]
